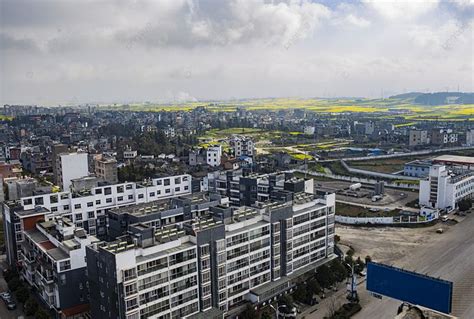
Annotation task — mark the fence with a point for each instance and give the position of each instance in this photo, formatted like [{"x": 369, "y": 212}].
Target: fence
[{"x": 377, "y": 174}]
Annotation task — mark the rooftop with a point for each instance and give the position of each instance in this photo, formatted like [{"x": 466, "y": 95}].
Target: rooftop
[{"x": 467, "y": 160}]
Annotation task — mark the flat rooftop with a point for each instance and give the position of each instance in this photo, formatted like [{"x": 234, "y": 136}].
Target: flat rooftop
[{"x": 467, "y": 160}]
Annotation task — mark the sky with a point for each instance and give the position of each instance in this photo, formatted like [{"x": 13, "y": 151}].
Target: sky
[{"x": 104, "y": 51}]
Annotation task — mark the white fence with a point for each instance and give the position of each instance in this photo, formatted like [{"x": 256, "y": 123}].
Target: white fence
[
  {"x": 377, "y": 174},
  {"x": 396, "y": 220}
]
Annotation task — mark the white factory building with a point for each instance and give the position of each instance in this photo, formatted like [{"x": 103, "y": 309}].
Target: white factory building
[{"x": 444, "y": 187}]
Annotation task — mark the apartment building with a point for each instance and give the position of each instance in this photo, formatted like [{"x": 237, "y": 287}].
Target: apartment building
[
  {"x": 443, "y": 137},
  {"x": 70, "y": 166},
  {"x": 213, "y": 155},
  {"x": 418, "y": 137},
  {"x": 213, "y": 263},
  {"x": 88, "y": 209},
  {"x": 242, "y": 146},
  {"x": 246, "y": 189},
  {"x": 444, "y": 187},
  {"x": 52, "y": 260},
  {"x": 105, "y": 168}
]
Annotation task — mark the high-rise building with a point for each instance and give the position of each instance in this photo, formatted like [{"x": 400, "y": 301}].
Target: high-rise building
[
  {"x": 106, "y": 168},
  {"x": 213, "y": 155}
]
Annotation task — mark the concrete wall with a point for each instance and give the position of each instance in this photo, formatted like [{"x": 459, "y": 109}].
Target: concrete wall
[{"x": 377, "y": 174}]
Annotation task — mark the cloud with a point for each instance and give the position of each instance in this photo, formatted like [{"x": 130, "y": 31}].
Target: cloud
[{"x": 143, "y": 50}]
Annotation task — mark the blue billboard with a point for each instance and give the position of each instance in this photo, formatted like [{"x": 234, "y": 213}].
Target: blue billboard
[{"x": 410, "y": 287}]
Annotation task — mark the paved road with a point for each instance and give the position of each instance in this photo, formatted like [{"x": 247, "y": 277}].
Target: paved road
[{"x": 449, "y": 256}]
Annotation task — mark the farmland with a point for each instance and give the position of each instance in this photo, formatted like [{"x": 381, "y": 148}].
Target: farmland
[{"x": 386, "y": 108}]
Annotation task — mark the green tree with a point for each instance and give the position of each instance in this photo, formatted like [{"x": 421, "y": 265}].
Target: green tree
[
  {"x": 359, "y": 265},
  {"x": 465, "y": 205},
  {"x": 22, "y": 294},
  {"x": 368, "y": 259},
  {"x": 324, "y": 276},
  {"x": 313, "y": 287},
  {"x": 300, "y": 293},
  {"x": 42, "y": 314},
  {"x": 14, "y": 284},
  {"x": 338, "y": 269},
  {"x": 286, "y": 299},
  {"x": 249, "y": 313},
  {"x": 31, "y": 306}
]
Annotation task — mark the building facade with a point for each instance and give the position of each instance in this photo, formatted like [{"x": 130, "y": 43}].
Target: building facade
[{"x": 71, "y": 166}]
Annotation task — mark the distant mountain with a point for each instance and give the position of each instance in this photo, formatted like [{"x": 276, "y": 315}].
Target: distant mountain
[
  {"x": 440, "y": 98},
  {"x": 410, "y": 95}
]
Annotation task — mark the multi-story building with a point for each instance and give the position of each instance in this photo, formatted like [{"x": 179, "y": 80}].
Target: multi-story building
[
  {"x": 418, "y": 137},
  {"x": 52, "y": 260},
  {"x": 213, "y": 155},
  {"x": 443, "y": 137},
  {"x": 242, "y": 146},
  {"x": 88, "y": 209},
  {"x": 417, "y": 168},
  {"x": 444, "y": 188},
  {"x": 217, "y": 261},
  {"x": 106, "y": 168},
  {"x": 246, "y": 189},
  {"x": 470, "y": 137},
  {"x": 71, "y": 166}
]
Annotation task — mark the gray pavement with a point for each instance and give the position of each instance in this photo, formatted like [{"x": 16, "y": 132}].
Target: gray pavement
[{"x": 449, "y": 256}]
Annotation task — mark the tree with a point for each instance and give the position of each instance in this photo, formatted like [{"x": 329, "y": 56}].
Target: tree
[
  {"x": 249, "y": 313},
  {"x": 337, "y": 239},
  {"x": 22, "y": 294},
  {"x": 465, "y": 205},
  {"x": 349, "y": 260},
  {"x": 287, "y": 300},
  {"x": 359, "y": 265},
  {"x": 313, "y": 287},
  {"x": 338, "y": 269},
  {"x": 368, "y": 259},
  {"x": 324, "y": 276},
  {"x": 42, "y": 314},
  {"x": 14, "y": 284},
  {"x": 300, "y": 294},
  {"x": 31, "y": 306}
]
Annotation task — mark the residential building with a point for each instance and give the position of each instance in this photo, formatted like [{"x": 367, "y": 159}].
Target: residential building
[
  {"x": 213, "y": 155},
  {"x": 129, "y": 154},
  {"x": 88, "y": 209},
  {"x": 445, "y": 187},
  {"x": 52, "y": 260},
  {"x": 470, "y": 137},
  {"x": 71, "y": 166},
  {"x": 247, "y": 189},
  {"x": 106, "y": 168},
  {"x": 56, "y": 150},
  {"x": 242, "y": 146},
  {"x": 418, "y": 137},
  {"x": 213, "y": 263},
  {"x": 443, "y": 137},
  {"x": 309, "y": 130}
]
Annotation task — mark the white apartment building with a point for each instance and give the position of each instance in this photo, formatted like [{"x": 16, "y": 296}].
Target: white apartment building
[
  {"x": 71, "y": 166},
  {"x": 242, "y": 146},
  {"x": 309, "y": 130},
  {"x": 213, "y": 155},
  {"x": 444, "y": 188},
  {"x": 87, "y": 209}
]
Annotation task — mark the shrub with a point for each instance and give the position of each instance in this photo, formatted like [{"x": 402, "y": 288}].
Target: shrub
[
  {"x": 31, "y": 306},
  {"x": 14, "y": 284},
  {"x": 42, "y": 314},
  {"x": 22, "y": 294}
]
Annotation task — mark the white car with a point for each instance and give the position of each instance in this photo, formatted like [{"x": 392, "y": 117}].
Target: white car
[{"x": 5, "y": 295}]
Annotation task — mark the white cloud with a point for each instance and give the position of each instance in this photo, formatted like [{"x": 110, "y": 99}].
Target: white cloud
[{"x": 401, "y": 9}]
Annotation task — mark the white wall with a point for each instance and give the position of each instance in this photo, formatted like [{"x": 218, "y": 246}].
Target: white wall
[{"x": 74, "y": 165}]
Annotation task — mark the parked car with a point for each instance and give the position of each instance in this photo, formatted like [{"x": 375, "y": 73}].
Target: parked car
[
  {"x": 5, "y": 295},
  {"x": 11, "y": 305}
]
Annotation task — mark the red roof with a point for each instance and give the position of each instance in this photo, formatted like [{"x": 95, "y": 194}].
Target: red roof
[{"x": 47, "y": 245}]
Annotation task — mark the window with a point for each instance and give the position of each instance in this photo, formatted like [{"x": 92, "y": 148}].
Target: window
[
  {"x": 120, "y": 198},
  {"x": 39, "y": 201},
  {"x": 54, "y": 209},
  {"x": 167, "y": 181},
  {"x": 66, "y": 207},
  {"x": 97, "y": 202},
  {"x": 107, "y": 190},
  {"x": 91, "y": 215},
  {"x": 140, "y": 196},
  {"x": 98, "y": 191},
  {"x": 167, "y": 191},
  {"x": 78, "y": 216},
  {"x": 119, "y": 189},
  {"x": 77, "y": 206},
  {"x": 90, "y": 204},
  {"x": 28, "y": 201},
  {"x": 53, "y": 199},
  {"x": 177, "y": 189},
  {"x": 186, "y": 188},
  {"x": 177, "y": 180},
  {"x": 152, "y": 194},
  {"x": 159, "y": 182},
  {"x": 129, "y": 186},
  {"x": 130, "y": 196},
  {"x": 64, "y": 196},
  {"x": 108, "y": 200}
]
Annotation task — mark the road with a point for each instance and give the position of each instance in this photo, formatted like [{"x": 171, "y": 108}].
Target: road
[{"x": 449, "y": 256}]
